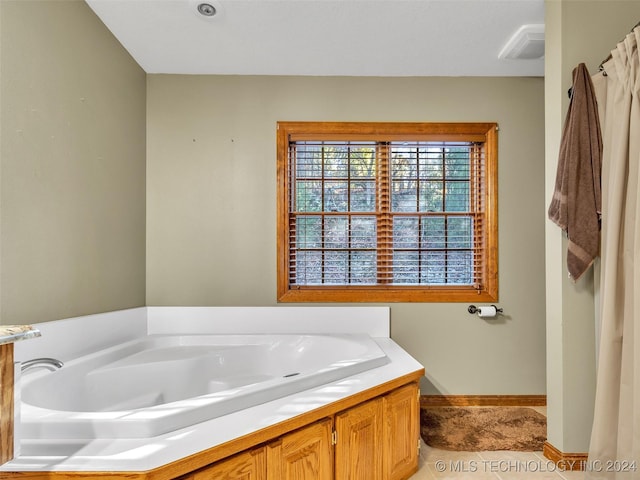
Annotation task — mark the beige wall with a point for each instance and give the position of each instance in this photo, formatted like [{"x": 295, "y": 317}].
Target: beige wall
[
  {"x": 72, "y": 163},
  {"x": 577, "y": 31},
  {"x": 211, "y": 199}
]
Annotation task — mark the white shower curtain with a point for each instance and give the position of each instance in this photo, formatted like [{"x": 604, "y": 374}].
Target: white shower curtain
[{"x": 614, "y": 452}]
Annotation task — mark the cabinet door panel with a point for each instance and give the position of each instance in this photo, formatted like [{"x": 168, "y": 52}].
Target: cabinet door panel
[
  {"x": 401, "y": 432},
  {"x": 305, "y": 454},
  {"x": 244, "y": 466},
  {"x": 358, "y": 452}
]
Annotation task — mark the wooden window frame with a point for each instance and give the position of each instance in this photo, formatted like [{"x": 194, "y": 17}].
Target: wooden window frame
[{"x": 486, "y": 133}]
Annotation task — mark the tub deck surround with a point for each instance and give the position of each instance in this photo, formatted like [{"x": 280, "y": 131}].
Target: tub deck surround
[
  {"x": 180, "y": 451},
  {"x": 374, "y": 321},
  {"x": 73, "y": 337}
]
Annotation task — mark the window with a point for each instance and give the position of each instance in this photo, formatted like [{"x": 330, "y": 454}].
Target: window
[{"x": 387, "y": 212}]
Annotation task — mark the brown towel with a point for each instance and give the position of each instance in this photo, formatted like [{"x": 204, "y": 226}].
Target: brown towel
[{"x": 576, "y": 203}]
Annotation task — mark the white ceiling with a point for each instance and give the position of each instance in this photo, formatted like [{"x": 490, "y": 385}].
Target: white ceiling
[{"x": 324, "y": 37}]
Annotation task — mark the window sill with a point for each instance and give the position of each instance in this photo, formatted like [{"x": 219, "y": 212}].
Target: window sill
[{"x": 386, "y": 294}]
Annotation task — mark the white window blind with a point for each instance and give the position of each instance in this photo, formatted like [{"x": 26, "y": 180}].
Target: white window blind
[{"x": 403, "y": 213}]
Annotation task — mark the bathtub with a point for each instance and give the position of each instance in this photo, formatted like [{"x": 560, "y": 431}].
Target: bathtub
[{"x": 161, "y": 383}]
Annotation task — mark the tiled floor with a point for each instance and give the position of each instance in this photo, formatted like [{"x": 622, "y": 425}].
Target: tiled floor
[{"x": 501, "y": 465}]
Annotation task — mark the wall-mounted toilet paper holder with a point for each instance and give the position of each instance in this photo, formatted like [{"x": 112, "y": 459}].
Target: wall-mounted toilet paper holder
[{"x": 472, "y": 309}]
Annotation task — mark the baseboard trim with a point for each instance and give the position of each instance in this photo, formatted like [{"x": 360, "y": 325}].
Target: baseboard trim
[
  {"x": 483, "y": 400},
  {"x": 565, "y": 461}
]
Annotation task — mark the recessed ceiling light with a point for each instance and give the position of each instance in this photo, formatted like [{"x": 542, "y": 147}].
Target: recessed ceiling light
[{"x": 206, "y": 9}]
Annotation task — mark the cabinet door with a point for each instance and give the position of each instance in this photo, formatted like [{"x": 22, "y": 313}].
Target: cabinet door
[
  {"x": 401, "y": 433},
  {"x": 358, "y": 452},
  {"x": 305, "y": 454},
  {"x": 244, "y": 466}
]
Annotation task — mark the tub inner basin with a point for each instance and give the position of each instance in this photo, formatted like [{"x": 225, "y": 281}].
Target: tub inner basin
[{"x": 161, "y": 383}]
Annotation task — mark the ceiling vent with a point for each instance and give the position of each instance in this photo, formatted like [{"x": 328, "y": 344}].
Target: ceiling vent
[{"x": 526, "y": 44}]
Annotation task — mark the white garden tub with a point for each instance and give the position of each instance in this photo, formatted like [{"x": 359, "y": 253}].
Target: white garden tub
[{"x": 161, "y": 383}]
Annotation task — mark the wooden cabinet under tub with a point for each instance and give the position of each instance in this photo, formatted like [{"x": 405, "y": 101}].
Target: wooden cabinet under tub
[
  {"x": 359, "y": 442},
  {"x": 375, "y": 440},
  {"x": 305, "y": 453},
  {"x": 401, "y": 432}
]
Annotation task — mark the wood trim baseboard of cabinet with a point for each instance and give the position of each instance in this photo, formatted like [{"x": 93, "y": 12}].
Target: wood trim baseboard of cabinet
[{"x": 483, "y": 400}]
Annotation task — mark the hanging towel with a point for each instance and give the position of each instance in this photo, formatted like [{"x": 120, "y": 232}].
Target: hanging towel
[{"x": 576, "y": 203}]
